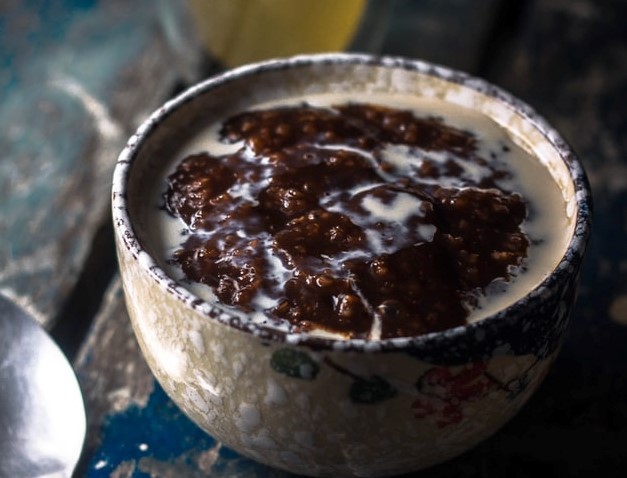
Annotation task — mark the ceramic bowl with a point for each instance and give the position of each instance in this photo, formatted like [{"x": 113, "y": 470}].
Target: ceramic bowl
[{"x": 328, "y": 407}]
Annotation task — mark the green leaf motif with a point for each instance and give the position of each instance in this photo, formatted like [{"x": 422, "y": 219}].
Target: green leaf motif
[
  {"x": 371, "y": 390},
  {"x": 295, "y": 364}
]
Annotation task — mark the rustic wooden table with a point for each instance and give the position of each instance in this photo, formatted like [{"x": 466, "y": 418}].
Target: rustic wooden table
[{"x": 79, "y": 75}]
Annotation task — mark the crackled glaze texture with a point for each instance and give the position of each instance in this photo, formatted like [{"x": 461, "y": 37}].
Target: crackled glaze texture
[{"x": 342, "y": 407}]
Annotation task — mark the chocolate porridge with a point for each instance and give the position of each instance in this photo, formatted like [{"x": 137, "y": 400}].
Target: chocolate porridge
[{"x": 367, "y": 218}]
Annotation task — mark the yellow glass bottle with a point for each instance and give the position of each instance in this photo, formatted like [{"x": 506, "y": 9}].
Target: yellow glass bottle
[{"x": 242, "y": 31}]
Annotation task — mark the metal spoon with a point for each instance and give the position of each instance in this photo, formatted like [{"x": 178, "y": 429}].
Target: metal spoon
[{"x": 42, "y": 415}]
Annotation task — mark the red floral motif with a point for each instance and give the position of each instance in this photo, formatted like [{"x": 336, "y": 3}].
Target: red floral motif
[{"x": 444, "y": 391}]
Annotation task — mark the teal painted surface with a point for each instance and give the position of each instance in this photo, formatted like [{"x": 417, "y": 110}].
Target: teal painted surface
[
  {"x": 72, "y": 73},
  {"x": 157, "y": 440}
]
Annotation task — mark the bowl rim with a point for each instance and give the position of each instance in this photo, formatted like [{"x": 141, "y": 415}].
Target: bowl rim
[{"x": 126, "y": 232}]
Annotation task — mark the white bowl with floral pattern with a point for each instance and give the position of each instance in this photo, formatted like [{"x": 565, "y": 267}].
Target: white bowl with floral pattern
[{"x": 329, "y": 407}]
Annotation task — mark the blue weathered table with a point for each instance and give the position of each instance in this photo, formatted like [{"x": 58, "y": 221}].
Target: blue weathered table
[{"x": 79, "y": 75}]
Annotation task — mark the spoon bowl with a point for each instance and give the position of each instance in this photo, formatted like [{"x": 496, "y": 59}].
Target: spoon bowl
[{"x": 42, "y": 415}]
